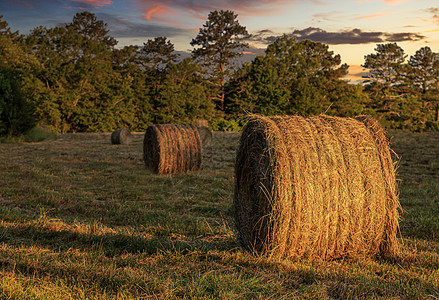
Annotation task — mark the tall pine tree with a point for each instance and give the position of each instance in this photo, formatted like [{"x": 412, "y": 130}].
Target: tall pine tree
[{"x": 218, "y": 43}]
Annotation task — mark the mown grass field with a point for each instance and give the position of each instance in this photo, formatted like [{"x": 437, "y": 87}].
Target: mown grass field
[{"x": 82, "y": 219}]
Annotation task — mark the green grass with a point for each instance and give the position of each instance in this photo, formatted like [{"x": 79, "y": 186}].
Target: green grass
[
  {"x": 81, "y": 218},
  {"x": 39, "y": 134}
]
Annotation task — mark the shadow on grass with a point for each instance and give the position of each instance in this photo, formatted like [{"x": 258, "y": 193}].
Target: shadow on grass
[
  {"x": 115, "y": 274},
  {"x": 111, "y": 244}
]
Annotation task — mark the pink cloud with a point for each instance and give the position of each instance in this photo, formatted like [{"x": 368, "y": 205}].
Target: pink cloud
[
  {"x": 157, "y": 11},
  {"x": 332, "y": 16},
  {"x": 371, "y": 16},
  {"x": 200, "y": 9},
  {"x": 388, "y": 2},
  {"x": 394, "y": 2},
  {"x": 97, "y": 3},
  {"x": 320, "y": 3}
]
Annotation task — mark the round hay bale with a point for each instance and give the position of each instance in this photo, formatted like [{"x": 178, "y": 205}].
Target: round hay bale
[
  {"x": 201, "y": 123},
  {"x": 121, "y": 136},
  {"x": 317, "y": 188},
  {"x": 169, "y": 148},
  {"x": 205, "y": 136}
]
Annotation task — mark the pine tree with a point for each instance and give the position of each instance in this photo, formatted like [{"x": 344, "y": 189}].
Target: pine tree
[
  {"x": 220, "y": 41},
  {"x": 425, "y": 70},
  {"x": 386, "y": 66}
]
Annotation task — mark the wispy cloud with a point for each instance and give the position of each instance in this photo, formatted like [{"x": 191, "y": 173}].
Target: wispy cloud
[
  {"x": 157, "y": 10},
  {"x": 331, "y": 16},
  {"x": 388, "y": 2},
  {"x": 394, "y": 2},
  {"x": 375, "y": 15},
  {"x": 435, "y": 12},
  {"x": 265, "y": 36},
  {"x": 32, "y": 4},
  {"x": 163, "y": 14},
  {"x": 353, "y": 36},
  {"x": 320, "y": 3},
  {"x": 125, "y": 28},
  {"x": 337, "y": 16},
  {"x": 95, "y": 3},
  {"x": 22, "y": 3},
  {"x": 200, "y": 9}
]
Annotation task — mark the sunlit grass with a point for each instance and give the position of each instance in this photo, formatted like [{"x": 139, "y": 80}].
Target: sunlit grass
[{"x": 81, "y": 218}]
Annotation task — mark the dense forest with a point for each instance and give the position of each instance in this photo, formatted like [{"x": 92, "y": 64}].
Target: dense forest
[{"x": 73, "y": 78}]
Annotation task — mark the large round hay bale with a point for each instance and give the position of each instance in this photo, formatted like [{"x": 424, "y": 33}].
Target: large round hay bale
[
  {"x": 169, "y": 148},
  {"x": 121, "y": 136},
  {"x": 317, "y": 188},
  {"x": 205, "y": 135}
]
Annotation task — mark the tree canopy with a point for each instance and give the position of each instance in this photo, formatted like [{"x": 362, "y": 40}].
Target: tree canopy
[
  {"x": 404, "y": 94},
  {"x": 386, "y": 65},
  {"x": 218, "y": 43},
  {"x": 73, "y": 78},
  {"x": 424, "y": 74},
  {"x": 17, "y": 84},
  {"x": 291, "y": 78}
]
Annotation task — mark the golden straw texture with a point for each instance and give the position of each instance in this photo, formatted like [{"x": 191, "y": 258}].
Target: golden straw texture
[
  {"x": 318, "y": 188},
  {"x": 169, "y": 148}
]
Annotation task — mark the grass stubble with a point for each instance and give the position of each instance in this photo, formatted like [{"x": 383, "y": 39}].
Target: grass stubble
[{"x": 81, "y": 218}]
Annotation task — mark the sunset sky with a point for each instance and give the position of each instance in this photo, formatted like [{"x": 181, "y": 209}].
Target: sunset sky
[{"x": 351, "y": 28}]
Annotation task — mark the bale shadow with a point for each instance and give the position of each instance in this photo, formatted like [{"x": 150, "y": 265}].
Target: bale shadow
[{"x": 111, "y": 244}]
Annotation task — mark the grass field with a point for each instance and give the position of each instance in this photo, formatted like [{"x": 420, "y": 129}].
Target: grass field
[{"x": 81, "y": 218}]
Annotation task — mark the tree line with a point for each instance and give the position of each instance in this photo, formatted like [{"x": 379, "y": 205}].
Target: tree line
[{"x": 73, "y": 78}]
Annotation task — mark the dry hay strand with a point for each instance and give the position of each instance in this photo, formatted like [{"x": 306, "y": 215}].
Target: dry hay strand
[
  {"x": 317, "y": 188},
  {"x": 201, "y": 123},
  {"x": 169, "y": 148},
  {"x": 121, "y": 136},
  {"x": 205, "y": 136}
]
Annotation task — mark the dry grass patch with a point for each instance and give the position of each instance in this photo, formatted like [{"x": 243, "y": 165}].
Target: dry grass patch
[{"x": 82, "y": 219}]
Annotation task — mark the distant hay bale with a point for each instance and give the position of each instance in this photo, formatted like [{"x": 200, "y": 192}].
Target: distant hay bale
[
  {"x": 121, "y": 136},
  {"x": 317, "y": 188},
  {"x": 205, "y": 136},
  {"x": 169, "y": 148},
  {"x": 201, "y": 123}
]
